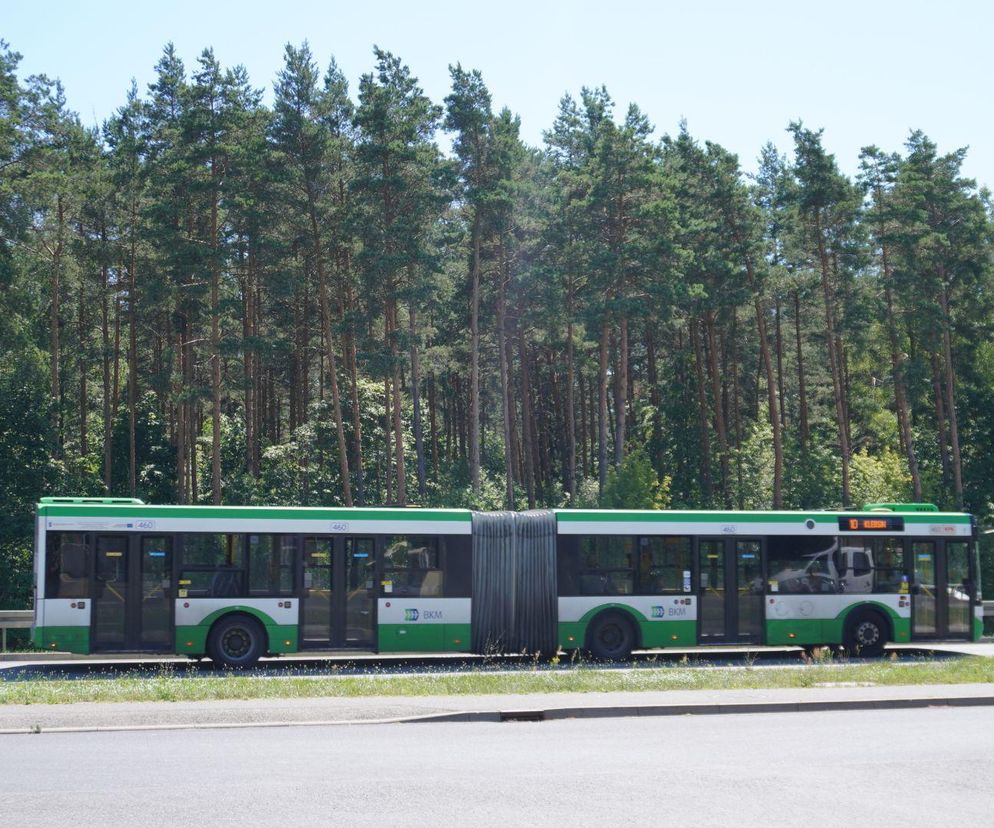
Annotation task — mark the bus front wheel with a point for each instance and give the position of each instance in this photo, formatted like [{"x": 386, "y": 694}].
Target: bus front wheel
[
  {"x": 611, "y": 637},
  {"x": 236, "y": 642},
  {"x": 866, "y": 635}
]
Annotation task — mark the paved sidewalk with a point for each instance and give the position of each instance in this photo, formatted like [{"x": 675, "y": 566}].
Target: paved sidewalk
[{"x": 367, "y": 710}]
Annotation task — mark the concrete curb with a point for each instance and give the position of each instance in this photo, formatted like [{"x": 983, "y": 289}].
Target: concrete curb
[
  {"x": 20, "y": 731},
  {"x": 553, "y": 714}
]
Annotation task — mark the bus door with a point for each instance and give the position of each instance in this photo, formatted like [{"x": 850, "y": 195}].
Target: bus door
[
  {"x": 940, "y": 586},
  {"x": 132, "y": 593},
  {"x": 339, "y": 601},
  {"x": 730, "y": 584}
]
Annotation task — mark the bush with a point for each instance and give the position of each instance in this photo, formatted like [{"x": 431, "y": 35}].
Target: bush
[
  {"x": 881, "y": 478},
  {"x": 635, "y": 485}
]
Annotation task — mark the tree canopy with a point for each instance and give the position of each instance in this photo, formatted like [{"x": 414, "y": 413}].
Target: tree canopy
[{"x": 211, "y": 299}]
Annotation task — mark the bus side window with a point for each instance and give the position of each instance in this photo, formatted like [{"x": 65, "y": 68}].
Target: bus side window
[
  {"x": 67, "y": 565},
  {"x": 840, "y": 563},
  {"x": 860, "y": 564},
  {"x": 458, "y": 566}
]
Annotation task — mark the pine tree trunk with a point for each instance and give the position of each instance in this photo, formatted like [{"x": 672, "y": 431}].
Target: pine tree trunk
[
  {"x": 802, "y": 396},
  {"x": 621, "y": 397},
  {"x": 719, "y": 413},
  {"x": 781, "y": 386},
  {"x": 353, "y": 369},
  {"x": 133, "y": 370},
  {"x": 834, "y": 358},
  {"x": 116, "y": 370},
  {"x": 215, "y": 358},
  {"x": 387, "y": 441},
  {"x": 528, "y": 443},
  {"x": 505, "y": 391},
  {"x": 398, "y": 438},
  {"x": 950, "y": 383},
  {"x": 602, "y": 413},
  {"x": 702, "y": 408},
  {"x": 419, "y": 442},
  {"x": 593, "y": 404},
  {"x": 248, "y": 355},
  {"x": 570, "y": 391},
  {"x": 900, "y": 393},
  {"x": 474, "y": 359},
  {"x": 343, "y": 456},
  {"x": 543, "y": 447},
  {"x": 81, "y": 336},
  {"x": 194, "y": 432},
  {"x": 583, "y": 424},
  {"x": 940, "y": 420},
  {"x": 774, "y": 403},
  {"x": 106, "y": 368},
  {"x": 517, "y": 461},
  {"x": 54, "y": 329},
  {"x": 655, "y": 399},
  {"x": 432, "y": 408},
  {"x": 737, "y": 412},
  {"x": 181, "y": 424}
]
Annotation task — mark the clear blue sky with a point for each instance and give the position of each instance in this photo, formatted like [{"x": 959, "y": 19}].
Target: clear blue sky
[{"x": 738, "y": 72}]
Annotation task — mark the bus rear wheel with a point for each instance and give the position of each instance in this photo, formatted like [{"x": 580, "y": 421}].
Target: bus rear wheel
[
  {"x": 236, "y": 642},
  {"x": 866, "y": 635},
  {"x": 611, "y": 637}
]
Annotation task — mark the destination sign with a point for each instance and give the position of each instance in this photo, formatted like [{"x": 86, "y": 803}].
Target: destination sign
[{"x": 877, "y": 523}]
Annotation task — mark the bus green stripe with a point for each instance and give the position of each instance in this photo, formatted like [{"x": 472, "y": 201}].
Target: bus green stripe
[
  {"x": 62, "y": 639},
  {"x": 252, "y": 513},
  {"x": 571, "y": 516}
]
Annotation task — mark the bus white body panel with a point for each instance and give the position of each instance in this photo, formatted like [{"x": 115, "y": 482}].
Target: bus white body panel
[
  {"x": 191, "y": 611},
  {"x": 66, "y": 612},
  {"x": 653, "y": 607},
  {"x": 827, "y": 607}
]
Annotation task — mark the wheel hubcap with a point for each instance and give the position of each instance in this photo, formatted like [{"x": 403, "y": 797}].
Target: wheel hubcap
[
  {"x": 867, "y": 633},
  {"x": 612, "y": 637},
  {"x": 236, "y": 643}
]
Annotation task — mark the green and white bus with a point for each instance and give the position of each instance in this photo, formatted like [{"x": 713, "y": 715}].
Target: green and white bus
[{"x": 238, "y": 583}]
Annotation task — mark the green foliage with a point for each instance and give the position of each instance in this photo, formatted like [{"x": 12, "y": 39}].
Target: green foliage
[
  {"x": 489, "y": 498},
  {"x": 635, "y": 485},
  {"x": 209, "y": 249},
  {"x": 15, "y": 574},
  {"x": 155, "y": 458},
  {"x": 587, "y": 495},
  {"x": 26, "y": 441},
  {"x": 881, "y": 478}
]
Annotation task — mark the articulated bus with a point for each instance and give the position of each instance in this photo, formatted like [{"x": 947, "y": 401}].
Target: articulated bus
[{"x": 239, "y": 583}]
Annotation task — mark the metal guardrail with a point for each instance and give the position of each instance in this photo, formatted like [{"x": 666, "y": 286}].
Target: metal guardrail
[{"x": 13, "y": 620}]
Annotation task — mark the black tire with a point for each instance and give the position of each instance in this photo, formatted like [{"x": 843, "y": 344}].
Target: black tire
[
  {"x": 236, "y": 642},
  {"x": 866, "y": 634},
  {"x": 611, "y": 637}
]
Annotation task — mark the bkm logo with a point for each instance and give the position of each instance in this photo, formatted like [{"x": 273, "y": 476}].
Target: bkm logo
[
  {"x": 658, "y": 612},
  {"x": 410, "y": 615}
]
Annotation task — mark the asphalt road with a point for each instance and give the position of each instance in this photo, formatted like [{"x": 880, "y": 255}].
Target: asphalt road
[{"x": 914, "y": 767}]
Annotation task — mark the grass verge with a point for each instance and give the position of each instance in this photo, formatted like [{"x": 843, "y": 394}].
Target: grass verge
[{"x": 189, "y": 685}]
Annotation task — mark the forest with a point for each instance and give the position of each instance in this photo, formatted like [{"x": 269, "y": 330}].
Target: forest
[{"x": 356, "y": 297}]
